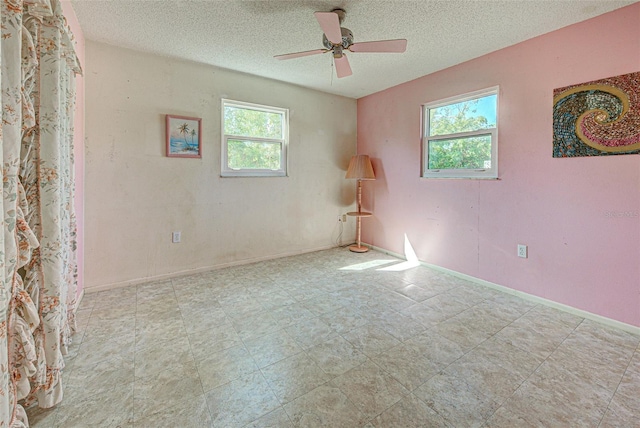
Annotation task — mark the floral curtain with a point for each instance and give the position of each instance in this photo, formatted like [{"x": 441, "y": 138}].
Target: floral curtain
[{"x": 37, "y": 247}]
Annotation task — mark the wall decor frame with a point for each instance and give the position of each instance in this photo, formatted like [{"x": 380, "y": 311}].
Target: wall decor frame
[
  {"x": 183, "y": 136},
  {"x": 597, "y": 118}
]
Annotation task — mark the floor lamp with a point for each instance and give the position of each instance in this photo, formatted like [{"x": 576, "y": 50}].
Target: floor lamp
[{"x": 360, "y": 168}]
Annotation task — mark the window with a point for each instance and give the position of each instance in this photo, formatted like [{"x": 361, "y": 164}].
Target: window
[
  {"x": 460, "y": 138},
  {"x": 254, "y": 139}
]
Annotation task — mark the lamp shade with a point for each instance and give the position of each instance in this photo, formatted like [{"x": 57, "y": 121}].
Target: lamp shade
[{"x": 360, "y": 168}]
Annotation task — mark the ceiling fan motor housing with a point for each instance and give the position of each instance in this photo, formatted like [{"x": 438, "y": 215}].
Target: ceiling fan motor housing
[{"x": 347, "y": 39}]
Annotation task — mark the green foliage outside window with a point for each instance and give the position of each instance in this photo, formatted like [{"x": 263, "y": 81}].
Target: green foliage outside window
[
  {"x": 470, "y": 152},
  {"x": 461, "y": 153},
  {"x": 251, "y": 125},
  {"x": 253, "y": 155}
]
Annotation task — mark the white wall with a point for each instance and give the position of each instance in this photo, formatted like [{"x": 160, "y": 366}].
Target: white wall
[{"x": 135, "y": 196}]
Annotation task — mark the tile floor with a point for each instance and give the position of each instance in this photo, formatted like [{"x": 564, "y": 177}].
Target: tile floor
[{"x": 328, "y": 339}]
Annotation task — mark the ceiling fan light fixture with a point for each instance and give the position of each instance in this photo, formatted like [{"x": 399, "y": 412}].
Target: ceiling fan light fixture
[{"x": 347, "y": 39}]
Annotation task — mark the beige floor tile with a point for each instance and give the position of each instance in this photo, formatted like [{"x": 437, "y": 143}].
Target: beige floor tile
[
  {"x": 506, "y": 305},
  {"x": 99, "y": 378},
  {"x": 202, "y": 319},
  {"x": 178, "y": 383},
  {"x": 92, "y": 352},
  {"x": 224, "y": 366},
  {"x": 241, "y": 401},
  {"x": 43, "y": 418},
  {"x": 470, "y": 294},
  {"x": 205, "y": 343},
  {"x": 598, "y": 364},
  {"x": 528, "y": 339},
  {"x": 571, "y": 387},
  {"x": 393, "y": 300},
  {"x": 156, "y": 357},
  {"x": 276, "y": 299},
  {"x": 190, "y": 413},
  {"x": 629, "y": 389},
  {"x": 391, "y": 282},
  {"x": 324, "y": 303},
  {"x": 276, "y": 419},
  {"x": 113, "y": 408},
  {"x": 410, "y": 412},
  {"x": 157, "y": 306},
  {"x": 111, "y": 298},
  {"x": 512, "y": 358},
  {"x": 292, "y": 314},
  {"x": 371, "y": 340},
  {"x": 485, "y": 375},
  {"x": 324, "y": 406},
  {"x": 151, "y": 291},
  {"x": 542, "y": 408},
  {"x": 467, "y": 336},
  {"x": 304, "y": 291},
  {"x": 461, "y": 351},
  {"x": 594, "y": 332},
  {"x": 294, "y": 376},
  {"x": 370, "y": 389},
  {"x": 548, "y": 316},
  {"x": 255, "y": 325},
  {"x": 435, "y": 347},
  {"x": 344, "y": 320},
  {"x": 336, "y": 356},
  {"x": 418, "y": 293},
  {"x": 310, "y": 332},
  {"x": 154, "y": 329},
  {"x": 396, "y": 324},
  {"x": 105, "y": 314},
  {"x": 407, "y": 365},
  {"x": 272, "y": 348},
  {"x": 99, "y": 330},
  {"x": 460, "y": 404},
  {"x": 503, "y": 418},
  {"x": 435, "y": 310},
  {"x": 621, "y": 414}
]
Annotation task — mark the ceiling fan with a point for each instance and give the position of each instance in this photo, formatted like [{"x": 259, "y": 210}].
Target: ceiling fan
[{"x": 337, "y": 39}]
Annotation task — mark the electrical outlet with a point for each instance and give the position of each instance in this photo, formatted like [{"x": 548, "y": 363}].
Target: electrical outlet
[
  {"x": 344, "y": 218},
  {"x": 175, "y": 237},
  {"x": 522, "y": 251}
]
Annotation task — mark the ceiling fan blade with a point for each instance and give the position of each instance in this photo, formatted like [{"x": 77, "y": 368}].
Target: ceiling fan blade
[
  {"x": 343, "y": 69},
  {"x": 301, "y": 54},
  {"x": 398, "y": 45},
  {"x": 330, "y": 24}
]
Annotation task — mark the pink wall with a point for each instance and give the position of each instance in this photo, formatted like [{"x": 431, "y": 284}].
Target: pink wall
[
  {"x": 578, "y": 255},
  {"x": 78, "y": 139}
]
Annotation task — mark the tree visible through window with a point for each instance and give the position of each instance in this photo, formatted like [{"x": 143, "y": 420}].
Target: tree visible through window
[
  {"x": 461, "y": 137},
  {"x": 254, "y": 139}
]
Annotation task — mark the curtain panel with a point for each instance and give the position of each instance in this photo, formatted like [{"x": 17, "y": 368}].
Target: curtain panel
[{"x": 37, "y": 246}]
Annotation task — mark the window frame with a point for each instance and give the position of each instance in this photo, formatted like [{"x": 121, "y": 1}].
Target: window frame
[
  {"x": 479, "y": 173},
  {"x": 225, "y": 170}
]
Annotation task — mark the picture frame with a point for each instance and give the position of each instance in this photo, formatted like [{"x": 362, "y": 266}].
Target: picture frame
[{"x": 183, "y": 136}]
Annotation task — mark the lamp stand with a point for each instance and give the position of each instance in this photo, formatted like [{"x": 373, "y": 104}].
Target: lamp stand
[{"x": 359, "y": 248}]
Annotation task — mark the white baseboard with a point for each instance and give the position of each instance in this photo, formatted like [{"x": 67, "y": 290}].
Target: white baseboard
[
  {"x": 130, "y": 282},
  {"x": 526, "y": 296},
  {"x": 80, "y": 298}
]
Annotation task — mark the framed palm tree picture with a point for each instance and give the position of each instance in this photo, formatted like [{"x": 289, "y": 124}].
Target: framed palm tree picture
[{"x": 184, "y": 136}]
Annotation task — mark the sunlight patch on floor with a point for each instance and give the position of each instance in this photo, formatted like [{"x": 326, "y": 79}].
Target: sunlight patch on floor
[{"x": 409, "y": 254}]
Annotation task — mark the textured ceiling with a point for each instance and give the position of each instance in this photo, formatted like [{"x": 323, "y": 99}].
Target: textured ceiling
[{"x": 245, "y": 35}]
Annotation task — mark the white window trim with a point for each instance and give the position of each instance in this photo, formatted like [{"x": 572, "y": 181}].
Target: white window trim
[
  {"x": 481, "y": 173},
  {"x": 225, "y": 171}
]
